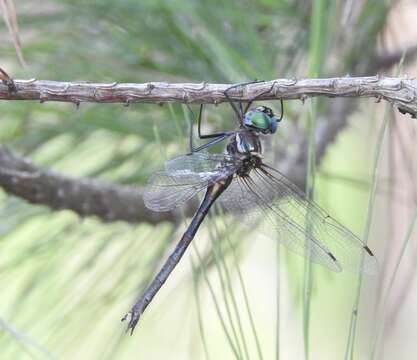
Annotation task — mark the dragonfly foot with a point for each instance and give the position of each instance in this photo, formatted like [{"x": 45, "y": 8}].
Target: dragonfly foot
[{"x": 132, "y": 317}]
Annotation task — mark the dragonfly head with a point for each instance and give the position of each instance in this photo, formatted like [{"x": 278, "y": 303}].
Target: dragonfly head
[{"x": 261, "y": 119}]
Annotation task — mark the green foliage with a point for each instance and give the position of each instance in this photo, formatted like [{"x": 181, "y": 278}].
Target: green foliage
[{"x": 67, "y": 281}]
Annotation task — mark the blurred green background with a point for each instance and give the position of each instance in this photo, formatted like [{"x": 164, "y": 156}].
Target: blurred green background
[{"x": 66, "y": 281}]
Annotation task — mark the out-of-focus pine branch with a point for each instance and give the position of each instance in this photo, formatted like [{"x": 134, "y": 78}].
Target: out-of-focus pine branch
[{"x": 85, "y": 196}]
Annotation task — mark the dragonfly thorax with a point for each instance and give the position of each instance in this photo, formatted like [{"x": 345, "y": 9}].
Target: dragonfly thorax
[{"x": 244, "y": 142}]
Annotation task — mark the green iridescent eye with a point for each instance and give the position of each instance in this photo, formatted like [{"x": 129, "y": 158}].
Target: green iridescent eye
[{"x": 259, "y": 120}]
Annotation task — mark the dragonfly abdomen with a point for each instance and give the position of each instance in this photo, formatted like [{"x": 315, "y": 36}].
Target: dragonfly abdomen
[{"x": 213, "y": 192}]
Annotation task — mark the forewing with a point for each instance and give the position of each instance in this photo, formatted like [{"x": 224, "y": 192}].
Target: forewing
[
  {"x": 202, "y": 165},
  {"x": 269, "y": 199},
  {"x": 165, "y": 192},
  {"x": 184, "y": 177}
]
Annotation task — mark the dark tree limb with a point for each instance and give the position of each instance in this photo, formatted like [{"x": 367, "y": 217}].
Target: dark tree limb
[
  {"x": 86, "y": 197},
  {"x": 401, "y": 93}
]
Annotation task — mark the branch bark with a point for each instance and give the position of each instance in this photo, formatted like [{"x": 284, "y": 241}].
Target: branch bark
[
  {"x": 84, "y": 196},
  {"x": 402, "y": 93}
]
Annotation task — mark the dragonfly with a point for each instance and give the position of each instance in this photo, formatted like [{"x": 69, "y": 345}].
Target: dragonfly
[{"x": 254, "y": 192}]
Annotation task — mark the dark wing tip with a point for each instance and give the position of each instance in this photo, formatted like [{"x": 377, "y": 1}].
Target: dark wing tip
[
  {"x": 336, "y": 267},
  {"x": 332, "y": 256},
  {"x": 368, "y": 250}
]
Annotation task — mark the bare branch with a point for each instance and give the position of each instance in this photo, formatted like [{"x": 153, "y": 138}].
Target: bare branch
[
  {"x": 86, "y": 197},
  {"x": 399, "y": 92}
]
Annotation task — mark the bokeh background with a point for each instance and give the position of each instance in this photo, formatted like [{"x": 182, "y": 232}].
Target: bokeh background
[{"x": 66, "y": 281}]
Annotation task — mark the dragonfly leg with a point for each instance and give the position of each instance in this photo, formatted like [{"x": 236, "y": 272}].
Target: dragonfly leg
[
  {"x": 212, "y": 193},
  {"x": 207, "y": 136},
  {"x": 216, "y": 138},
  {"x": 282, "y": 110},
  {"x": 239, "y": 111},
  {"x": 212, "y": 142},
  {"x": 249, "y": 104}
]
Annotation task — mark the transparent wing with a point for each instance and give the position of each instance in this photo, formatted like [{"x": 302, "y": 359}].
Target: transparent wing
[
  {"x": 270, "y": 200},
  {"x": 202, "y": 165},
  {"x": 184, "y": 177}
]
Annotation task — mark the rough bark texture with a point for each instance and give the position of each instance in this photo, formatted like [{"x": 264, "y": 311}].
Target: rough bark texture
[{"x": 399, "y": 92}]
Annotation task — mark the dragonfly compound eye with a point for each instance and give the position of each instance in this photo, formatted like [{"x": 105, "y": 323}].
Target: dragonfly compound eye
[
  {"x": 257, "y": 119},
  {"x": 260, "y": 120}
]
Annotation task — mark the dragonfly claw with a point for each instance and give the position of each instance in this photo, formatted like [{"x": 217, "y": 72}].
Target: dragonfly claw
[{"x": 132, "y": 317}]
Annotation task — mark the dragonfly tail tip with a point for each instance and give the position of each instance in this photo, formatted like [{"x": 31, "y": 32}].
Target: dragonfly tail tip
[
  {"x": 132, "y": 319},
  {"x": 332, "y": 256},
  {"x": 368, "y": 250}
]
